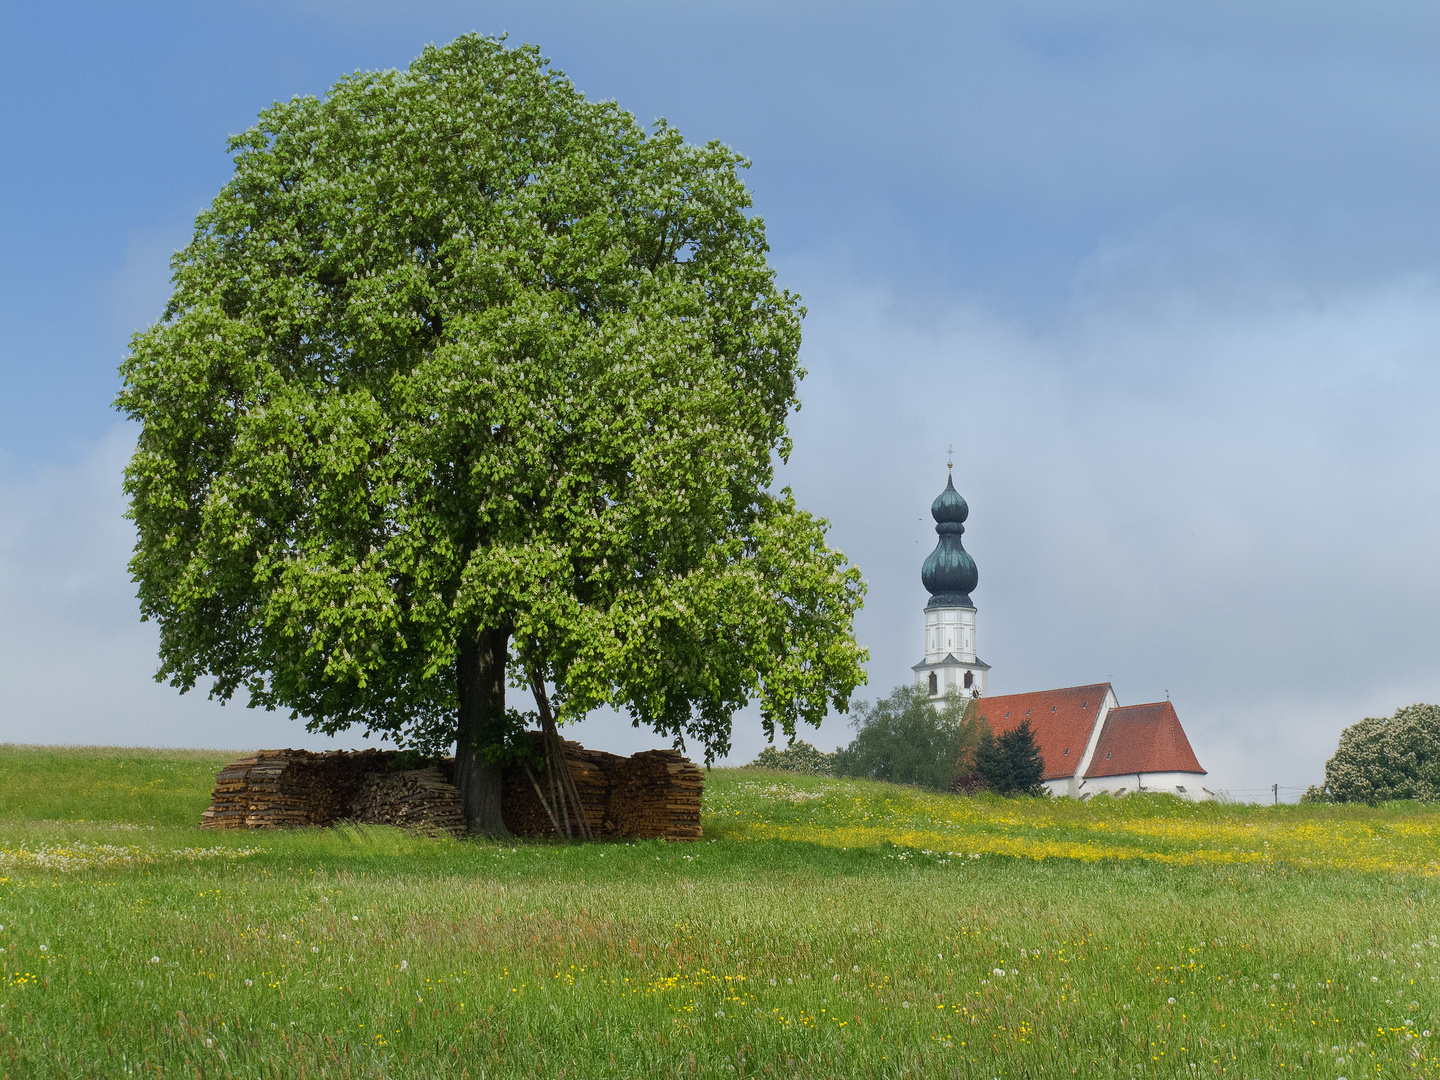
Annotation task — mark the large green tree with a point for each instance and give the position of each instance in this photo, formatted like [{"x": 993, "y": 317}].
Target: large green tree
[
  {"x": 461, "y": 371},
  {"x": 908, "y": 738},
  {"x": 1384, "y": 758}
]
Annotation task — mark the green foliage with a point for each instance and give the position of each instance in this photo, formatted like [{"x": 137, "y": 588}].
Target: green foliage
[
  {"x": 798, "y": 757},
  {"x": 1011, "y": 764},
  {"x": 1380, "y": 759},
  {"x": 515, "y": 743},
  {"x": 458, "y": 352},
  {"x": 905, "y": 739}
]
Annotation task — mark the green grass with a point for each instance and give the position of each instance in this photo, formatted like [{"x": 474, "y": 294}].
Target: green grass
[
  {"x": 823, "y": 928},
  {"x": 107, "y": 783}
]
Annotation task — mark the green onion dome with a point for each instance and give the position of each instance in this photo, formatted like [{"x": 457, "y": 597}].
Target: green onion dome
[{"x": 949, "y": 573}]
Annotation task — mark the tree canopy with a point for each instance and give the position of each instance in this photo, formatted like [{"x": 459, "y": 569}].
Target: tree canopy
[
  {"x": 905, "y": 739},
  {"x": 462, "y": 370},
  {"x": 1385, "y": 758},
  {"x": 799, "y": 757}
]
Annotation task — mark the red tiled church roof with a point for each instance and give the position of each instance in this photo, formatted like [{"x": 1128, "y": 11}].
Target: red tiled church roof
[
  {"x": 1061, "y": 720},
  {"x": 1143, "y": 739}
]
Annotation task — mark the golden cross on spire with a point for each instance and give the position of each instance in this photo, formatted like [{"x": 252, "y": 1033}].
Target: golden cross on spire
[{"x": 950, "y": 457}]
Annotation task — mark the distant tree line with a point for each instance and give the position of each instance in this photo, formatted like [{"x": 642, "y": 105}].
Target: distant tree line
[{"x": 905, "y": 739}]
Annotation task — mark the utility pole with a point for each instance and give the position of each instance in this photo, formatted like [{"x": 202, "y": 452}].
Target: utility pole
[{"x": 1275, "y": 789}]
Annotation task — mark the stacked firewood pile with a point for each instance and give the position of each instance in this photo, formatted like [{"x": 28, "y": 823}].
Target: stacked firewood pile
[
  {"x": 655, "y": 794},
  {"x": 275, "y": 789},
  {"x": 594, "y": 772},
  {"x": 419, "y": 799},
  {"x": 658, "y": 795}
]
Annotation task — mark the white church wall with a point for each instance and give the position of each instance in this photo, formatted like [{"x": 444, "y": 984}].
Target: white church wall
[
  {"x": 1186, "y": 785},
  {"x": 949, "y": 677},
  {"x": 1073, "y": 784}
]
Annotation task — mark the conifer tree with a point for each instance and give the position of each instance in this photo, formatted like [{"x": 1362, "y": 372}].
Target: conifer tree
[{"x": 1011, "y": 764}]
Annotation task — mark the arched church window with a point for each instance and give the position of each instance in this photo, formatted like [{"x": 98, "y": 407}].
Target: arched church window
[
  {"x": 969, "y": 679},
  {"x": 934, "y": 684}
]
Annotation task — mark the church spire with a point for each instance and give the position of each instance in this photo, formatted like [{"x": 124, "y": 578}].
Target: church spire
[
  {"x": 950, "y": 664},
  {"x": 949, "y": 574}
]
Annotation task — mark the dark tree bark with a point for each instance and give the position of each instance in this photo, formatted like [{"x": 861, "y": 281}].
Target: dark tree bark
[{"x": 480, "y": 670}]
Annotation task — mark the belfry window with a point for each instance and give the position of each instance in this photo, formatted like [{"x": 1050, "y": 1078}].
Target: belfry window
[
  {"x": 969, "y": 679},
  {"x": 934, "y": 683}
]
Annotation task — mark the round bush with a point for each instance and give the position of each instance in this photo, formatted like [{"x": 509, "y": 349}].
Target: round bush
[{"x": 1381, "y": 759}]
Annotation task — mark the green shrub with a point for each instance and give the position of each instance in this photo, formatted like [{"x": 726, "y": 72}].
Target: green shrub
[
  {"x": 1381, "y": 759},
  {"x": 906, "y": 739},
  {"x": 799, "y": 757}
]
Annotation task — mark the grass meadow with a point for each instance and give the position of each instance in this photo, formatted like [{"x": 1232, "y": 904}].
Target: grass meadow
[{"x": 823, "y": 928}]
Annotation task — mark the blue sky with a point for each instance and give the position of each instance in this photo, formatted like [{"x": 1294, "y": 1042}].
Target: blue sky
[{"x": 1167, "y": 277}]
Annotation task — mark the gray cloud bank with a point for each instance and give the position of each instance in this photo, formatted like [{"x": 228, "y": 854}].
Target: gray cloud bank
[{"x": 1234, "y": 502}]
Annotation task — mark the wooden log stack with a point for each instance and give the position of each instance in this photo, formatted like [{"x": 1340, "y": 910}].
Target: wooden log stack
[
  {"x": 276, "y": 789},
  {"x": 655, "y": 794},
  {"x": 229, "y": 802},
  {"x": 418, "y": 799},
  {"x": 658, "y": 796},
  {"x": 595, "y": 773}
]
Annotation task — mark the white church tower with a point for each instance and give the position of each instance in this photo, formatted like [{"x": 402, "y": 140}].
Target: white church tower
[{"x": 950, "y": 574}]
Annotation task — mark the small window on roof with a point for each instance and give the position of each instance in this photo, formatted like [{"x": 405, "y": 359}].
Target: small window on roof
[
  {"x": 1054, "y": 707},
  {"x": 1083, "y": 704},
  {"x": 1007, "y": 716},
  {"x": 1107, "y": 755},
  {"x": 1027, "y": 712},
  {"x": 1067, "y": 751}
]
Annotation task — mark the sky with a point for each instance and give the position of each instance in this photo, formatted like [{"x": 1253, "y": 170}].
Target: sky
[{"x": 1166, "y": 276}]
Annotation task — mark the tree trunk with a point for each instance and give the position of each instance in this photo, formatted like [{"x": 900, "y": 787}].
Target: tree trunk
[{"x": 480, "y": 670}]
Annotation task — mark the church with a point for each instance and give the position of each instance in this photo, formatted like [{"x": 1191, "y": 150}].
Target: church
[{"x": 1090, "y": 743}]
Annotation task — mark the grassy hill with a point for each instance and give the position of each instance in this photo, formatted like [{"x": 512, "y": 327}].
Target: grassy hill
[{"x": 822, "y": 928}]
